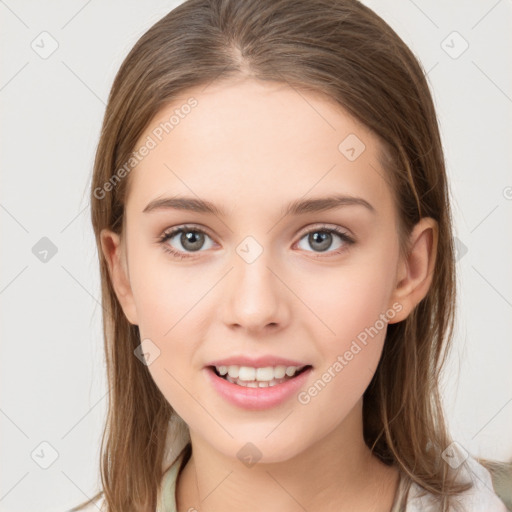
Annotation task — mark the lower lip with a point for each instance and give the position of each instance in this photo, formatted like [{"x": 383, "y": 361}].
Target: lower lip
[{"x": 256, "y": 399}]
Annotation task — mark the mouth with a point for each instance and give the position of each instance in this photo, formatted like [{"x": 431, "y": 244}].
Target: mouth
[{"x": 250, "y": 377}]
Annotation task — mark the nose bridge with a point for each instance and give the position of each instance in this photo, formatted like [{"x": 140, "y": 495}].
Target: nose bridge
[{"x": 256, "y": 296}]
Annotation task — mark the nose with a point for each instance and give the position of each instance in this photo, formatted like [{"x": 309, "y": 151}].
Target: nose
[{"x": 255, "y": 298}]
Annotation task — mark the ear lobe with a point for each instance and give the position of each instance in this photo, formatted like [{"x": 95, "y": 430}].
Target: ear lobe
[
  {"x": 415, "y": 271},
  {"x": 113, "y": 251}
]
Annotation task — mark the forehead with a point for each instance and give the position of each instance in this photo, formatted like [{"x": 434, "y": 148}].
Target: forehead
[{"x": 244, "y": 142}]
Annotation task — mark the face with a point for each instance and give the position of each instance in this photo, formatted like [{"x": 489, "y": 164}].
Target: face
[{"x": 313, "y": 285}]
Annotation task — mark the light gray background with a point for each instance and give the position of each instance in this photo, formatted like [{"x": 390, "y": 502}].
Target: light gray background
[{"x": 52, "y": 376}]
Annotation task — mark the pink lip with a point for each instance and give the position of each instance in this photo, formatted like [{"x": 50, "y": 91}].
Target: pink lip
[
  {"x": 256, "y": 362},
  {"x": 257, "y": 398}
]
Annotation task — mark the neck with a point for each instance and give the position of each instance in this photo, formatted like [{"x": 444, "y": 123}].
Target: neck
[{"x": 337, "y": 472}]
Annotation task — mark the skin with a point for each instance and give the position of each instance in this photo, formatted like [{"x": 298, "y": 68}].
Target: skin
[{"x": 253, "y": 147}]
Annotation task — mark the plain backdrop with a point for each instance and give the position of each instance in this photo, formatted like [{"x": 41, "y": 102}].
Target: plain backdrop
[{"x": 58, "y": 61}]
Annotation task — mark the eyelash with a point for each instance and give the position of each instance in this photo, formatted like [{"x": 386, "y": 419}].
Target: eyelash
[{"x": 181, "y": 255}]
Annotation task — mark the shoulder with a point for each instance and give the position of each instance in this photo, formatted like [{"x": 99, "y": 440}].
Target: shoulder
[{"x": 481, "y": 497}]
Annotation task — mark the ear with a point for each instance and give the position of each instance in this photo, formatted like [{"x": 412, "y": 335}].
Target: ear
[
  {"x": 114, "y": 252},
  {"x": 416, "y": 268}
]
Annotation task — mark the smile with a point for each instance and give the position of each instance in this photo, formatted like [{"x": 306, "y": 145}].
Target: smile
[
  {"x": 257, "y": 388},
  {"x": 251, "y": 377}
]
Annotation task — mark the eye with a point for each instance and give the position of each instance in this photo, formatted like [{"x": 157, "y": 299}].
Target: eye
[
  {"x": 190, "y": 239},
  {"x": 321, "y": 239}
]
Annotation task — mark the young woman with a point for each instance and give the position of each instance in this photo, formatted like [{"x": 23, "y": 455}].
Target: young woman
[{"x": 272, "y": 217}]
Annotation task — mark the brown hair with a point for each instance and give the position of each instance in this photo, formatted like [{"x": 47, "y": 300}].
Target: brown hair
[{"x": 344, "y": 51}]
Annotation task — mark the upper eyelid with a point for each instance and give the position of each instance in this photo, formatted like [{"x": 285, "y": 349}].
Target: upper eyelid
[
  {"x": 326, "y": 227},
  {"x": 185, "y": 227}
]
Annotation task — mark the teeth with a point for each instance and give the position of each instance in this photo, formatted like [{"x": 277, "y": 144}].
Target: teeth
[
  {"x": 265, "y": 374},
  {"x": 279, "y": 372},
  {"x": 290, "y": 371},
  {"x": 233, "y": 371},
  {"x": 222, "y": 369},
  {"x": 255, "y": 384},
  {"x": 247, "y": 375}
]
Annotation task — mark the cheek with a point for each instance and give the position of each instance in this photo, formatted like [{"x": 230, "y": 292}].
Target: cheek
[
  {"x": 165, "y": 294},
  {"x": 171, "y": 317},
  {"x": 344, "y": 304},
  {"x": 356, "y": 314},
  {"x": 352, "y": 304},
  {"x": 348, "y": 300},
  {"x": 339, "y": 384}
]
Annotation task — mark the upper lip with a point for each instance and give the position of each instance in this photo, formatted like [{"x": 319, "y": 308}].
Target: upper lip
[{"x": 256, "y": 362}]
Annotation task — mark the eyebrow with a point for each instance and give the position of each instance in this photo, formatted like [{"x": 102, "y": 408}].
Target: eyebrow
[{"x": 298, "y": 207}]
